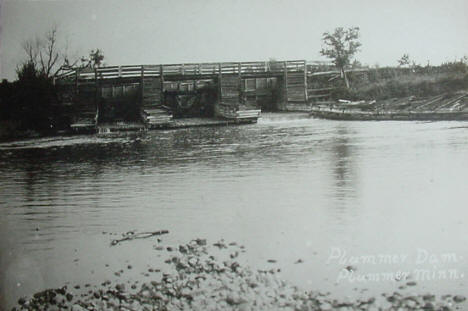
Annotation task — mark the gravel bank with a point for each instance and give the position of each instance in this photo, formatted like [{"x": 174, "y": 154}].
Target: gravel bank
[{"x": 209, "y": 277}]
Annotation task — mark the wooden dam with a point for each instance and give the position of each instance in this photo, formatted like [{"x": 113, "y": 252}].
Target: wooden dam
[{"x": 230, "y": 91}]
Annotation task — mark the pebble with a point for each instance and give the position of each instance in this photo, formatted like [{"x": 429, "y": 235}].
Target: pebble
[
  {"x": 77, "y": 307},
  {"x": 201, "y": 281},
  {"x": 459, "y": 298},
  {"x": 411, "y": 304},
  {"x": 429, "y": 297},
  {"x": 326, "y": 306}
]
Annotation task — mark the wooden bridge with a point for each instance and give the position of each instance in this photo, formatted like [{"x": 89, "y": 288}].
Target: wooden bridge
[{"x": 240, "y": 87}]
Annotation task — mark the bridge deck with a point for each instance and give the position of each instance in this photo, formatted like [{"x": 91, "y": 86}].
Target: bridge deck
[{"x": 188, "y": 71}]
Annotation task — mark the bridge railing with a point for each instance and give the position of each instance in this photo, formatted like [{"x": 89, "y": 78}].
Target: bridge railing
[
  {"x": 150, "y": 70},
  {"x": 297, "y": 65},
  {"x": 189, "y": 69}
]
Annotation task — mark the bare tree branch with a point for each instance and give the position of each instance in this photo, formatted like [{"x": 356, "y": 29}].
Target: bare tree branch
[{"x": 45, "y": 52}]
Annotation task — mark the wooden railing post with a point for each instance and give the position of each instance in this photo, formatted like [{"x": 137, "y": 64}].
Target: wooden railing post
[
  {"x": 239, "y": 77},
  {"x": 96, "y": 84},
  {"x": 220, "y": 72},
  {"x": 161, "y": 80},
  {"x": 306, "y": 95},
  {"x": 76, "y": 81},
  {"x": 142, "y": 84},
  {"x": 96, "y": 104},
  {"x": 220, "y": 89},
  {"x": 285, "y": 65}
]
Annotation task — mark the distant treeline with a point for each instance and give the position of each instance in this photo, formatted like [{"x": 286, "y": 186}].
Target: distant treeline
[{"x": 394, "y": 82}]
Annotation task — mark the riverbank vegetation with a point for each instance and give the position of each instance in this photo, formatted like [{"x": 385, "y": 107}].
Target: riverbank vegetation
[
  {"x": 397, "y": 82},
  {"x": 377, "y": 83},
  {"x": 31, "y": 106}
]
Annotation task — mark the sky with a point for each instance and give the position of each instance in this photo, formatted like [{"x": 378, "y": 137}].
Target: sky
[{"x": 183, "y": 31}]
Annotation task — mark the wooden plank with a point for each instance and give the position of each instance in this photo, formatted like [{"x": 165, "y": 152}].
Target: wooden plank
[
  {"x": 142, "y": 79},
  {"x": 321, "y": 89},
  {"x": 161, "y": 84},
  {"x": 285, "y": 83},
  {"x": 76, "y": 82},
  {"x": 451, "y": 101},
  {"x": 220, "y": 81},
  {"x": 96, "y": 87},
  {"x": 306, "y": 95},
  {"x": 319, "y": 96}
]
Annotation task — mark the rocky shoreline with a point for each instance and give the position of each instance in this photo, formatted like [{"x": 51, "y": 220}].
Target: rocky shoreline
[{"x": 204, "y": 276}]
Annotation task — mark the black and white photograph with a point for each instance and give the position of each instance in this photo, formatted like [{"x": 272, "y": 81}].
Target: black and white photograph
[{"x": 234, "y": 155}]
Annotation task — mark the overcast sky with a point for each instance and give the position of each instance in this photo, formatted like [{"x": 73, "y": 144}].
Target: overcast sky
[{"x": 175, "y": 31}]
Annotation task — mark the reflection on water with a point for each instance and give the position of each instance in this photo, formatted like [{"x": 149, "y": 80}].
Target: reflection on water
[
  {"x": 288, "y": 187},
  {"x": 342, "y": 158}
]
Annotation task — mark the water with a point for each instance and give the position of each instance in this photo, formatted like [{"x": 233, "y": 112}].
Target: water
[{"x": 287, "y": 188}]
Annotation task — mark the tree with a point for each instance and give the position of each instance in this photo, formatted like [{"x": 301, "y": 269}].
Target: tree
[
  {"x": 274, "y": 65},
  {"x": 46, "y": 54},
  {"x": 26, "y": 71},
  {"x": 404, "y": 61},
  {"x": 340, "y": 47},
  {"x": 464, "y": 59},
  {"x": 94, "y": 60},
  {"x": 32, "y": 101}
]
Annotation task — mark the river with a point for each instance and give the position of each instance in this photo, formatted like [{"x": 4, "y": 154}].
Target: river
[{"x": 331, "y": 201}]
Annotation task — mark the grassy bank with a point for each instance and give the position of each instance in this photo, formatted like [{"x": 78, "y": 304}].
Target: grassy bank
[{"x": 398, "y": 82}]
